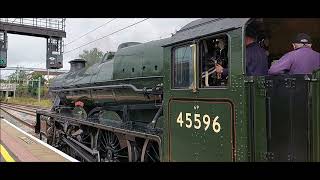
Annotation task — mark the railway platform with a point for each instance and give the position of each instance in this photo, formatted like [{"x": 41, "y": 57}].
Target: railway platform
[{"x": 18, "y": 146}]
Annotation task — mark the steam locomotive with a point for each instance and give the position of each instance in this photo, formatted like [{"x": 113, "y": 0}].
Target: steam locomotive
[{"x": 158, "y": 101}]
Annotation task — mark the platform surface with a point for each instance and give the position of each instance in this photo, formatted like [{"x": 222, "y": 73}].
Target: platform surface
[{"x": 19, "y": 146}]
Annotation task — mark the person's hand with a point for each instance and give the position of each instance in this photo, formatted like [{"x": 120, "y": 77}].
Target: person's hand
[{"x": 219, "y": 69}]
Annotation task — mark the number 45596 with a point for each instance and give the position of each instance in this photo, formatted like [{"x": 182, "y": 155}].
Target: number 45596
[{"x": 197, "y": 122}]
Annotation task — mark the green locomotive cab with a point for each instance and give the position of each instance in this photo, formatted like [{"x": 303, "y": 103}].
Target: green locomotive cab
[
  {"x": 237, "y": 117},
  {"x": 200, "y": 112}
]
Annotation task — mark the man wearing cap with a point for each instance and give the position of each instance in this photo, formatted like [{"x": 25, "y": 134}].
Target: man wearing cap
[
  {"x": 256, "y": 58},
  {"x": 302, "y": 60}
]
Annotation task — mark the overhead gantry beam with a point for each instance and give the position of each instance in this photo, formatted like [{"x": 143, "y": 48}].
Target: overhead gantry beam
[{"x": 38, "y": 27}]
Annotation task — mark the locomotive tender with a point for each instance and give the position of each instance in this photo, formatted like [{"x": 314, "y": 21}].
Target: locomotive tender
[{"x": 162, "y": 101}]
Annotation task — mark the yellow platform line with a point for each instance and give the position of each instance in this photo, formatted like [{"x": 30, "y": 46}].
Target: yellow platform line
[{"x": 5, "y": 154}]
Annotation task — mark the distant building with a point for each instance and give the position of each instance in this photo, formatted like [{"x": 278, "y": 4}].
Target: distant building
[{"x": 45, "y": 74}]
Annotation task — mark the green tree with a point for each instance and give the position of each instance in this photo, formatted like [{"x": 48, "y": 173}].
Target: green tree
[
  {"x": 33, "y": 87},
  {"x": 93, "y": 56},
  {"x": 35, "y": 76},
  {"x": 18, "y": 76},
  {"x": 3, "y": 81}
]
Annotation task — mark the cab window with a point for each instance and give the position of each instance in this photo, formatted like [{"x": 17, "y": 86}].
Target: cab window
[
  {"x": 213, "y": 51},
  {"x": 182, "y": 67}
]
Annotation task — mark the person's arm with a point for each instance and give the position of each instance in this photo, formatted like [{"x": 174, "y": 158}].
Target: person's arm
[
  {"x": 249, "y": 63},
  {"x": 279, "y": 67},
  {"x": 319, "y": 60},
  {"x": 225, "y": 72}
]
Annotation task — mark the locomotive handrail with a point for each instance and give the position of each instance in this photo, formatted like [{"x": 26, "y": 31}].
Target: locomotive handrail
[
  {"x": 107, "y": 86},
  {"x": 155, "y": 118}
]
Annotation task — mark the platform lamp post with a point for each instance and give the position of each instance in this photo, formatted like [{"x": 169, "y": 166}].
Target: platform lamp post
[{"x": 39, "y": 85}]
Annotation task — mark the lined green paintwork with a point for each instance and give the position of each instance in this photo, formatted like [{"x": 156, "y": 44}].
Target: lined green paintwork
[
  {"x": 315, "y": 88},
  {"x": 128, "y": 65},
  {"x": 234, "y": 93},
  {"x": 259, "y": 139}
]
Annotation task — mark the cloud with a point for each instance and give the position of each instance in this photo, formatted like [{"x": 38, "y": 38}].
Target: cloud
[{"x": 25, "y": 50}]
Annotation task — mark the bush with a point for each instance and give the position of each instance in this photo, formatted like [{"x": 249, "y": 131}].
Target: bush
[{"x": 46, "y": 103}]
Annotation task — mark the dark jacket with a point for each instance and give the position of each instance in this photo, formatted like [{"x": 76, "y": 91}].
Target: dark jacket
[{"x": 256, "y": 60}]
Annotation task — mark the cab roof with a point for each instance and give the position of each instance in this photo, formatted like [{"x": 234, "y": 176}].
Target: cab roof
[{"x": 205, "y": 26}]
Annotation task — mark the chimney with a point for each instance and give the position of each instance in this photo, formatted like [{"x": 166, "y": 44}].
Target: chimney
[{"x": 77, "y": 64}]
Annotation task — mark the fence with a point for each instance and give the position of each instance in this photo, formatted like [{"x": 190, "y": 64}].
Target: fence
[{"x": 26, "y": 89}]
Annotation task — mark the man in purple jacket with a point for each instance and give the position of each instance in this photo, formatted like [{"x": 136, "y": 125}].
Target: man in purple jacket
[{"x": 302, "y": 60}]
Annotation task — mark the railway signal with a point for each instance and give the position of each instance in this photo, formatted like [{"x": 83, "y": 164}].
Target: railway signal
[
  {"x": 3, "y": 62},
  {"x": 3, "y": 49}
]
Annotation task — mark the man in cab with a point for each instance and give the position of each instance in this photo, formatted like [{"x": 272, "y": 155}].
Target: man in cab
[{"x": 256, "y": 57}]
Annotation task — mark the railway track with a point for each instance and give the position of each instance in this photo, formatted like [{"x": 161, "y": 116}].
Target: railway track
[
  {"x": 24, "y": 114},
  {"x": 23, "y": 105}
]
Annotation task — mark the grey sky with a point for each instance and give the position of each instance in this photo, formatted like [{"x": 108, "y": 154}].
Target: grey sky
[{"x": 29, "y": 51}]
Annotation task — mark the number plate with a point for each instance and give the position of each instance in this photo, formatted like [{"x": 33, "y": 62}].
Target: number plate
[{"x": 200, "y": 130}]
